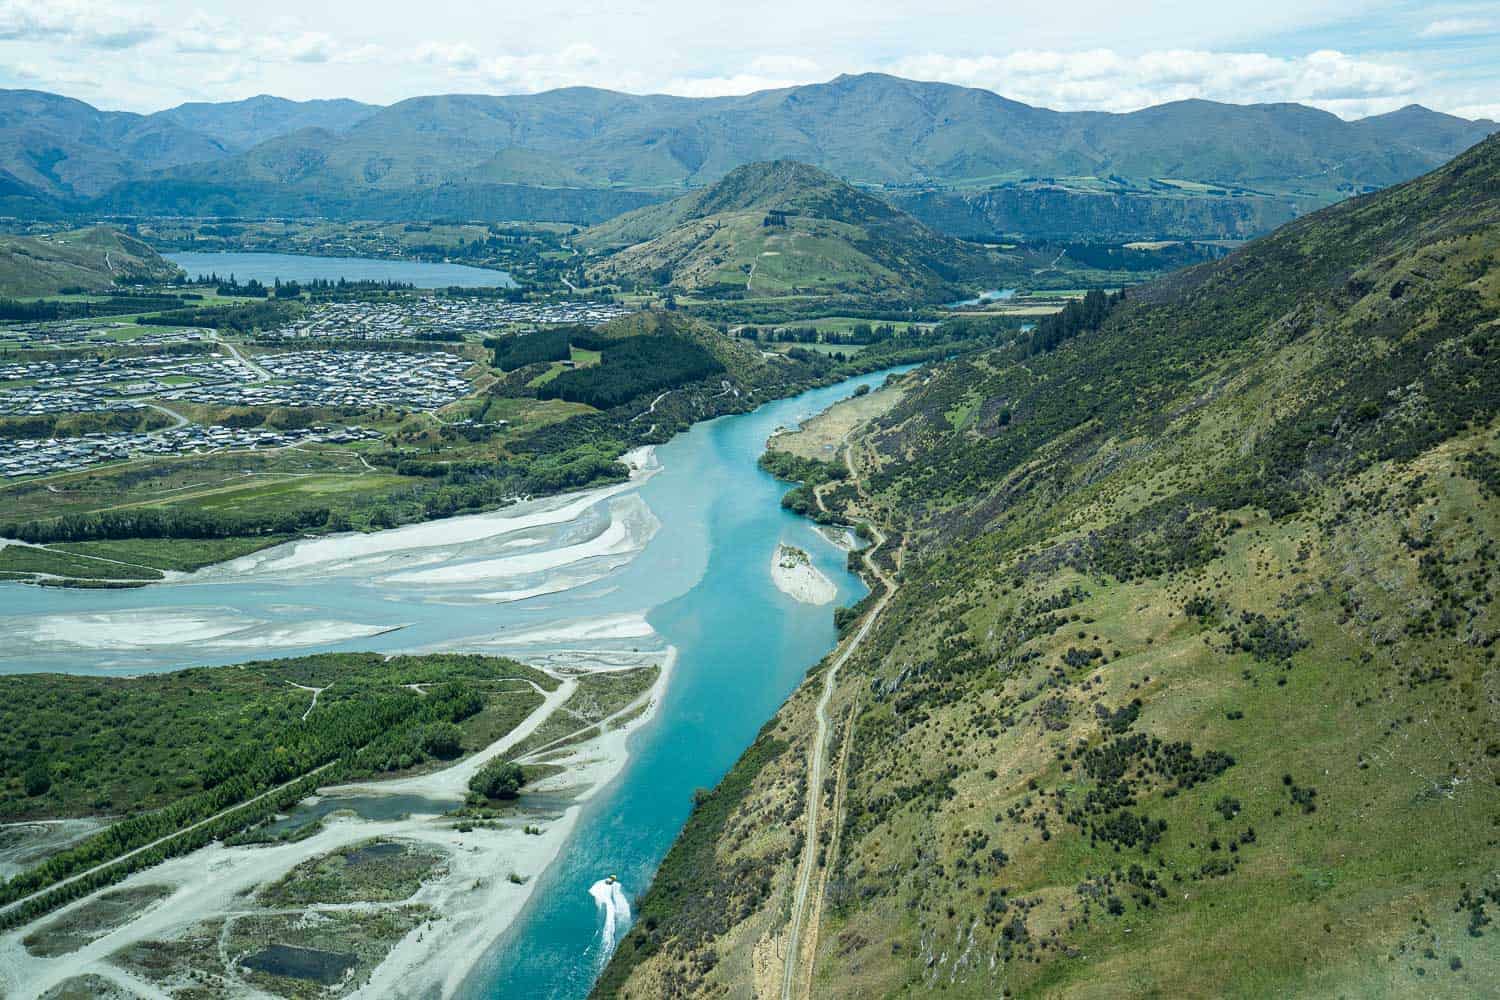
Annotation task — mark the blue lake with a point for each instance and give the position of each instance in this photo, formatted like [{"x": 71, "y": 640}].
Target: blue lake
[
  {"x": 267, "y": 267},
  {"x": 701, "y": 582}
]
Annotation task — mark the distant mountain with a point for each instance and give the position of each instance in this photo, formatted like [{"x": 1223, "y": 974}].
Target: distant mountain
[
  {"x": 870, "y": 129},
  {"x": 57, "y": 149},
  {"x": 781, "y": 228},
  {"x": 95, "y": 258},
  {"x": 241, "y": 124},
  {"x": 337, "y": 158},
  {"x": 61, "y": 148}
]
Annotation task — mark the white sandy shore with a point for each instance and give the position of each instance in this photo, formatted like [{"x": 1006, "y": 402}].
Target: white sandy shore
[
  {"x": 795, "y": 575},
  {"x": 220, "y": 628},
  {"x": 631, "y": 526},
  {"x": 622, "y": 626},
  {"x": 474, "y": 899}
]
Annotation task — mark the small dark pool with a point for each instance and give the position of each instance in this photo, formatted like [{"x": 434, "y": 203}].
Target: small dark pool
[
  {"x": 373, "y": 852},
  {"x": 370, "y": 807},
  {"x": 323, "y": 967}
]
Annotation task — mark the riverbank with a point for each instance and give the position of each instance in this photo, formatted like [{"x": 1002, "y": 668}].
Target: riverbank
[{"x": 487, "y": 872}]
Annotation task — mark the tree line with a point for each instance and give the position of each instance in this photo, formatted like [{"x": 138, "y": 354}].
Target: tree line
[
  {"x": 631, "y": 367},
  {"x": 160, "y": 522},
  {"x": 1078, "y": 316}
]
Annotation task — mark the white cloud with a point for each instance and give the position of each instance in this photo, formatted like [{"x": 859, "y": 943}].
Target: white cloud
[
  {"x": 1109, "y": 81},
  {"x": 531, "y": 72},
  {"x": 1456, "y": 26},
  {"x": 308, "y": 47},
  {"x": 457, "y": 56},
  {"x": 75, "y": 22}
]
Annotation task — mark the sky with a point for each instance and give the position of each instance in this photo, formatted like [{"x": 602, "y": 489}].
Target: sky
[{"x": 1349, "y": 57}]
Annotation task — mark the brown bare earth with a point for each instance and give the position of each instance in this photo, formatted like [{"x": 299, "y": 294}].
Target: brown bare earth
[{"x": 821, "y": 436}]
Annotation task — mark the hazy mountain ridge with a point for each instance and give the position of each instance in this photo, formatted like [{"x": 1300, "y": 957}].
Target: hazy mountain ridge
[
  {"x": 870, "y": 129},
  {"x": 65, "y": 150},
  {"x": 1189, "y": 683},
  {"x": 242, "y": 124}
]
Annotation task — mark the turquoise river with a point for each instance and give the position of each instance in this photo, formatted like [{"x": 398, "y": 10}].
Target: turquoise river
[{"x": 679, "y": 559}]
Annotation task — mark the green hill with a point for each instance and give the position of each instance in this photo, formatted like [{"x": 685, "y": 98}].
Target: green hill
[
  {"x": 1189, "y": 686},
  {"x": 95, "y": 259},
  {"x": 783, "y": 228}
]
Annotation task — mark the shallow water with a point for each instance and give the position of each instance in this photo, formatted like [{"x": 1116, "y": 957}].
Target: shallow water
[
  {"x": 993, "y": 295},
  {"x": 371, "y": 807},
  {"x": 267, "y": 267},
  {"x": 692, "y": 572},
  {"x": 322, "y": 967}
]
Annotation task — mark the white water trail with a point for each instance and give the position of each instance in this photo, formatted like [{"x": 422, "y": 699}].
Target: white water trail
[{"x": 615, "y": 909}]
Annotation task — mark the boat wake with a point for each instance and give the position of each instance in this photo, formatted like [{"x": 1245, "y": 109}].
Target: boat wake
[{"x": 615, "y": 910}]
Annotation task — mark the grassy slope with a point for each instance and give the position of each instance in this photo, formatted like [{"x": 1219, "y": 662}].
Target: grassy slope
[
  {"x": 836, "y": 239},
  {"x": 88, "y": 258},
  {"x": 1262, "y": 502}
]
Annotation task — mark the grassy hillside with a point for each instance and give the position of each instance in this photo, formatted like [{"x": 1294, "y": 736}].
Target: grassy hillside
[
  {"x": 787, "y": 228},
  {"x": 94, "y": 258},
  {"x": 1189, "y": 686}
]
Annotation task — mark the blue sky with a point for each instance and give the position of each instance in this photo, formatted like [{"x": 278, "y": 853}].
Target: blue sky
[{"x": 1347, "y": 56}]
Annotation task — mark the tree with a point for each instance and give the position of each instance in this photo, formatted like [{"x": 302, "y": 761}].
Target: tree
[
  {"x": 499, "y": 779},
  {"x": 442, "y": 739},
  {"x": 38, "y": 778}
]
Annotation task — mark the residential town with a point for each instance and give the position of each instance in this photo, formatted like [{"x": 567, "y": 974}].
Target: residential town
[
  {"x": 72, "y": 332},
  {"x": 434, "y": 317},
  {"x": 42, "y": 456},
  {"x": 363, "y": 379},
  {"x": 87, "y": 383}
]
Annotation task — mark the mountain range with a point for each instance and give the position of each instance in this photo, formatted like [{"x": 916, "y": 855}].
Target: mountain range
[{"x": 579, "y": 154}]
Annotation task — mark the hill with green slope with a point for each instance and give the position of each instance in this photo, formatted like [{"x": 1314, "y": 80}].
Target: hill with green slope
[
  {"x": 783, "y": 228},
  {"x": 94, "y": 259},
  {"x": 1188, "y": 686}
]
